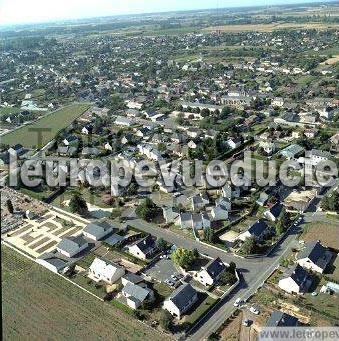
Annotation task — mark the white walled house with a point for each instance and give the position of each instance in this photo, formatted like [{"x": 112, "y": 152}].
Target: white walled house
[
  {"x": 314, "y": 257},
  {"x": 136, "y": 295},
  {"x": 52, "y": 262},
  {"x": 296, "y": 280},
  {"x": 180, "y": 300},
  {"x": 102, "y": 271},
  {"x": 210, "y": 274}
]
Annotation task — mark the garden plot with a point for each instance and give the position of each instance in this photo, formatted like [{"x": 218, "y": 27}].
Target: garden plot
[{"x": 40, "y": 236}]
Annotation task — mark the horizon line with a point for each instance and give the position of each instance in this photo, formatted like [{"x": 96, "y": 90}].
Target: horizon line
[{"x": 69, "y": 20}]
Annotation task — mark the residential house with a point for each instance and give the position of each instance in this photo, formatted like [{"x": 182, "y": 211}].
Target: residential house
[
  {"x": 268, "y": 147},
  {"x": 263, "y": 197},
  {"x": 191, "y": 144},
  {"x": 102, "y": 271},
  {"x": 193, "y": 132},
  {"x": 17, "y": 149},
  {"x": 315, "y": 257},
  {"x": 234, "y": 142},
  {"x": 334, "y": 140},
  {"x": 274, "y": 212},
  {"x": 144, "y": 248},
  {"x": 136, "y": 295},
  {"x": 123, "y": 121},
  {"x": 278, "y": 102},
  {"x": 292, "y": 151},
  {"x": 259, "y": 230},
  {"x": 97, "y": 230},
  {"x": 132, "y": 278},
  {"x": 170, "y": 213},
  {"x": 71, "y": 246},
  {"x": 281, "y": 319},
  {"x": 52, "y": 262},
  {"x": 181, "y": 300},
  {"x": 70, "y": 140},
  {"x": 295, "y": 280},
  {"x": 211, "y": 272}
]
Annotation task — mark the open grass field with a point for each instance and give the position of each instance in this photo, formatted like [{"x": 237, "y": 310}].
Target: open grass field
[
  {"x": 54, "y": 121},
  {"x": 270, "y": 27},
  {"x": 40, "y": 305},
  {"x": 9, "y": 111},
  {"x": 327, "y": 233}
]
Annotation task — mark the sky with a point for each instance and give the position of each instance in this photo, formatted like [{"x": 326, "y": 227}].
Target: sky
[{"x": 31, "y": 11}]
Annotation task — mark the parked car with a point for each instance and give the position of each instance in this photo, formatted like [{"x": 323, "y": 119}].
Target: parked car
[
  {"x": 254, "y": 310},
  {"x": 314, "y": 293},
  {"x": 237, "y": 302}
]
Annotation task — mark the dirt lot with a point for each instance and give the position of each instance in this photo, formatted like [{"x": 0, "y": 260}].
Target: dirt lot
[
  {"x": 232, "y": 330},
  {"x": 331, "y": 60},
  {"x": 325, "y": 232},
  {"x": 38, "y": 304}
]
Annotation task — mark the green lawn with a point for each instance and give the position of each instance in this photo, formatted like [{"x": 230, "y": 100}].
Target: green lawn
[
  {"x": 53, "y": 122},
  {"x": 201, "y": 309},
  {"x": 9, "y": 111}
]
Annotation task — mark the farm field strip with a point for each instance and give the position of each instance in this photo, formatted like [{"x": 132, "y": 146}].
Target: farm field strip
[{"x": 54, "y": 121}]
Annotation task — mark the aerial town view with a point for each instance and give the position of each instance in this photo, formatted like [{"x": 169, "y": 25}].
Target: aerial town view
[{"x": 169, "y": 170}]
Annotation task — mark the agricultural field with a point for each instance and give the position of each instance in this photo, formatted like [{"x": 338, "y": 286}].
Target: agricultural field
[
  {"x": 326, "y": 232},
  {"x": 54, "y": 121},
  {"x": 37, "y": 302},
  {"x": 270, "y": 27}
]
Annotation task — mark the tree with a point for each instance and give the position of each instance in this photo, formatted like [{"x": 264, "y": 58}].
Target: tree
[
  {"x": 185, "y": 258},
  {"x": 161, "y": 244},
  {"x": 331, "y": 202},
  {"x": 228, "y": 277},
  {"x": 10, "y": 206},
  {"x": 209, "y": 235},
  {"x": 165, "y": 320},
  {"x": 249, "y": 246},
  {"x": 147, "y": 210},
  {"x": 78, "y": 204}
]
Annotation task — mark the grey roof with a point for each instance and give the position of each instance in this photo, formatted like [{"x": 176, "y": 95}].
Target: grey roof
[
  {"x": 99, "y": 228},
  {"x": 276, "y": 210},
  {"x": 315, "y": 252},
  {"x": 186, "y": 216},
  {"x": 182, "y": 295},
  {"x": 280, "y": 319},
  {"x": 298, "y": 274},
  {"x": 215, "y": 267},
  {"x": 114, "y": 239},
  {"x": 258, "y": 228},
  {"x": 133, "y": 278},
  {"x": 136, "y": 291},
  {"x": 146, "y": 245},
  {"x": 72, "y": 244},
  {"x": 292, "y": 150},
  {"x": 55, "y": 261}
]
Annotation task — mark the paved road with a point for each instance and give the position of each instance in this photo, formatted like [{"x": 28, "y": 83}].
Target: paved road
[{"x": 253, "y": 271}]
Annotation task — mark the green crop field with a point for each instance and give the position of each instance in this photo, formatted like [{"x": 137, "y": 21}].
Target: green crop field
[
  {"x": 40, "y": 305},
  {"x": 54, "y": 121}
]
